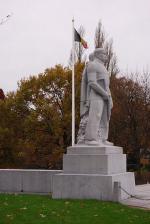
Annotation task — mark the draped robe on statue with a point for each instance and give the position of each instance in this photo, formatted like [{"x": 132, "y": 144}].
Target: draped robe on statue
[{"x": 94, "y": 110}]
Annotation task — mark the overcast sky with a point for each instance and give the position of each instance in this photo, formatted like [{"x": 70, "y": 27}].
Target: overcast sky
[{"x": 39, "y": 34}]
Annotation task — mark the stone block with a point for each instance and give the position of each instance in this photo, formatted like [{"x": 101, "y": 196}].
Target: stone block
[
  {"x": 91, "y": 172},
  {"x": 39, "y": 181},
  {"x": 82, "y": 149},
  {"x": 10, "y": 180},
  {"x": 91, "y": 186},
  {"x": 94, "y": 164},
  {"x": 25, "y": 180}
]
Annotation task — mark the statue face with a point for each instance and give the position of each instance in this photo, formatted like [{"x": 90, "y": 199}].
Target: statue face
[{"x": 102, "y": 56}]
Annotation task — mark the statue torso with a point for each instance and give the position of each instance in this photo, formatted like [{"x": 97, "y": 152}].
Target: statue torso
[{"x": 102, "y": 78}]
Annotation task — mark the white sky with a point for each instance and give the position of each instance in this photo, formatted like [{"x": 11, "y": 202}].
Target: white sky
[{"x": 39, "y": 34}]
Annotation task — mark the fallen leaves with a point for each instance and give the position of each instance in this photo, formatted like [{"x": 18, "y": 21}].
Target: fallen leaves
[
  {"x": 24, "y": 208},
  {"x": 42, "y": 215}
]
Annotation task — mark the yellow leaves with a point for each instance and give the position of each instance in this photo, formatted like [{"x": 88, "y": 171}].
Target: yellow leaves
[
  {"x": 21, "y": 154},
  {"x": 122, "y": 210},
  {"x": 5, "y": 203},
  {"x": 67, "y": 202},
  {"x": 10, "y": 216},
  {"x": 24, "y": 208},
  {"x": 42, "y": 215}
]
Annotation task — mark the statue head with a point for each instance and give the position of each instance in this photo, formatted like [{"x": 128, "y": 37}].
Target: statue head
[
  {"x": 91, "y": 57},
  {"x": 100, "y": 54}
]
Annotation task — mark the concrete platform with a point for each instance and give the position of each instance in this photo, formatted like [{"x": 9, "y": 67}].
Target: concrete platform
[
  {"x": 91, "y": 186},
  {"x": 94, "y": 164},
  {"x": 93, "y": 172},
  {"x": 141, "y": 197},
  {"x": 92, "y": 150},
  {"x": 26, "y": 180}
]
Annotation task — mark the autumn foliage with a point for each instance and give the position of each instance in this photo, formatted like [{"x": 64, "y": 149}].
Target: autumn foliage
[
  {"x": 2, "y": 96},
  {"x": 35, "y": 121}
]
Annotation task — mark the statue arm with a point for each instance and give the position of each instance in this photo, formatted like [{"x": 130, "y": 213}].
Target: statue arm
[
  {"x": 92, "y": 81},
  {"x": 99, "y": 90}
]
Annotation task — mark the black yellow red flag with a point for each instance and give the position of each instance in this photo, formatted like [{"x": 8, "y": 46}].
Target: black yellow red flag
[{"x": 78, "y": 38}]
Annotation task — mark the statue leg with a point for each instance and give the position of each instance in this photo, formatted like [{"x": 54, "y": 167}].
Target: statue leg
[
  {"x": 104, "y": 124},
  {"x": 95, "y": 113}
]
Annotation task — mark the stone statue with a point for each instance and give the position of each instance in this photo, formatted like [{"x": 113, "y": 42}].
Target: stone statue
[{"x": 96, "y": 101}]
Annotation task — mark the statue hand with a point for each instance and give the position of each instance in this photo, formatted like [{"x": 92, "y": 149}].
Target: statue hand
[
  {"x": 111, "y": 102},
  {"x": 106, "y": 97},
  {"x": 87, "y": 104}
]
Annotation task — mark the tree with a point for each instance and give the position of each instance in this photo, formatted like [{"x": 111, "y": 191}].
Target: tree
[
  {"x": 130, "y": 117},
  {"x": 37, "y": 120},
  {"x": 107, "y": 44},
  {"x": 100, "y": 36},
  {"x": 2, "y": 95},
  {"x": 144, "y": 81}
]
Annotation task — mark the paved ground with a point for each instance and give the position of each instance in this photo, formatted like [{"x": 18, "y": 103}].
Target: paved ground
[{"x": 141, "y": 199}]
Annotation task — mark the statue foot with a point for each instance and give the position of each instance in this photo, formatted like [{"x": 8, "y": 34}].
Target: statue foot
[
  {"x": 105, "y": 142},
  {"x": 91, "y": 143},
  {"x": 101, "y": 143},
  {"x": 80, "y": 142}
]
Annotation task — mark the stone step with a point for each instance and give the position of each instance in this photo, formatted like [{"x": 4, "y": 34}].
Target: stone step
[
  {"x": 85, "y": 149},
  {"x": 92, "y": 186},
  {"x": 94, "y": 163}
]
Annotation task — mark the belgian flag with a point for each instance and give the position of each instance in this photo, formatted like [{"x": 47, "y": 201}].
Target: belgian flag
[{"x": 78, "y": 38}]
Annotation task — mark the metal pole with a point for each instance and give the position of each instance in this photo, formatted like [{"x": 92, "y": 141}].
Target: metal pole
[{"x": 73, "y": 85}]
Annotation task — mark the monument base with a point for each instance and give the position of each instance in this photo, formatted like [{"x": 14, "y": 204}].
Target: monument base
[
  {"x": 82, "y": 179},
  {"x": 92, "y": 186}
]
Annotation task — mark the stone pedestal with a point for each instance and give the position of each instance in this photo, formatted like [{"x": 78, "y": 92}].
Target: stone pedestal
[{"x": 91, "y": 171}]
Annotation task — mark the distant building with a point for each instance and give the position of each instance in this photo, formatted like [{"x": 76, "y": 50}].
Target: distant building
[{"x": 2, "y": 95}]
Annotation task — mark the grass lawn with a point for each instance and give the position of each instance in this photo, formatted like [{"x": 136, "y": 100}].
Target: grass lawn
[{"x": 33, "y": 209}]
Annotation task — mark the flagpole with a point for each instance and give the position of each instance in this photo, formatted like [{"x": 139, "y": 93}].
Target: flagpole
[{"x": 73, "y": 85}]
